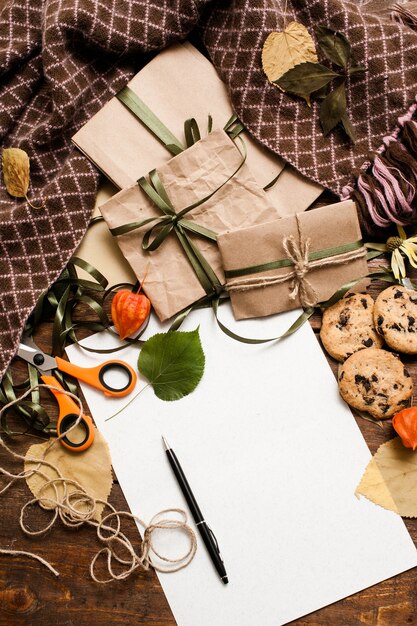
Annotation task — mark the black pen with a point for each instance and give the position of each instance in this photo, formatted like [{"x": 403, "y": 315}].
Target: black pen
[{"x": 204, "y": 529}]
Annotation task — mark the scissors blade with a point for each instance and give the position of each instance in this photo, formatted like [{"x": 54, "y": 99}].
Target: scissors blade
[{"x": 36, "y": 357}]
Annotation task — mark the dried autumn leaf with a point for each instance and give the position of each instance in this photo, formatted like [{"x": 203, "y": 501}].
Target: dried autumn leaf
[
  {"x": 15, "y": 165},
  {"x": 334, "y": 45},
  {"x": 390, "y": 479},
  {"x": 356, "y": 69},
  {"x": 348, "y": 128},
  {"x": 91, "y": 468},
  {"x": 284, "y": 50},
  {"x": 306, "y": 78},
  {"x": 333, "y": 108}
]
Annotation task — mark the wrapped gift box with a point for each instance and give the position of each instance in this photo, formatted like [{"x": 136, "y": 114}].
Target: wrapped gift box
[
  {"x": 213, "y": 164},
  {"x": 180, "y": 83},
  {"x": 292, "y": 262}
]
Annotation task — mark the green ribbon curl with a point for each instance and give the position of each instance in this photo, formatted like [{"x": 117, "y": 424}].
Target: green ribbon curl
[{"x": 60, "y": 305}]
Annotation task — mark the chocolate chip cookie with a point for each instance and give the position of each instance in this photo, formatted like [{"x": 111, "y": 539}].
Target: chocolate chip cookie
[
  {"x": 375, "y": 381},
  {"x": 348, "y": 326},
  {"x": 395, "y": 318}
]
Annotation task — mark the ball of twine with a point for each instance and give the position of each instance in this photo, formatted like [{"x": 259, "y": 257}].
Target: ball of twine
[{"x": 77, "y": 507}]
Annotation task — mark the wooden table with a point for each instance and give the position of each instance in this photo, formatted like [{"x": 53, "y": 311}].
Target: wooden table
[{"x": 30, "y": 594}]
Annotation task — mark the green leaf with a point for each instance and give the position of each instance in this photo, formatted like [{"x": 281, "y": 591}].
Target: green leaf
[
  {"x": 173, "y": 363},
  {"x": 320, "y": 94},
  {"x": 356, "y": 69},
  {"x": 334, "y": 45},
  {"x": 348, "y": 128},
  {"x": 305, "y": 78},
  {"x": 333, "y": 108}
]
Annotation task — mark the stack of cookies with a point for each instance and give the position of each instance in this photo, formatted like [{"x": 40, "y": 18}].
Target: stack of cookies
[{"x": 353, "y": 332}]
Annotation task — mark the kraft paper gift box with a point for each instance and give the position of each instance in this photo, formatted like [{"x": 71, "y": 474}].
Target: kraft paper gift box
[
  {"x": 213, "y": 164},
  {"x": 180, "y": 83},
  {"x": 309, "y": 256}
]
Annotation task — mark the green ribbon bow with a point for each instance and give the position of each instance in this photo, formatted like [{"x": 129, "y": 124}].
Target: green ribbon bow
[{"x": 171, "y": 221}]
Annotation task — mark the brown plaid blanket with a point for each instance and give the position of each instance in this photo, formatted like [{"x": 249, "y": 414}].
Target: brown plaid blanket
[{"x": 61, "y": 60}]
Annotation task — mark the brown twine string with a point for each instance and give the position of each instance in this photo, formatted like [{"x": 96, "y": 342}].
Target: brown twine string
[
  {"x": 78, "y": 507},
  {"x": 300, "y": 285}
]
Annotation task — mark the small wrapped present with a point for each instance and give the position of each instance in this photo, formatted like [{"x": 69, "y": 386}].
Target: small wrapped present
[
  {"x": 176, "y": 215},
  {"x": 178, "y": 84},
  {"x": 292, "y": 262}
]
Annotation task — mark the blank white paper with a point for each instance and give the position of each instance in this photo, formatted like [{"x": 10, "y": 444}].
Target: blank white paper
[{"x": 273, "y": 456}]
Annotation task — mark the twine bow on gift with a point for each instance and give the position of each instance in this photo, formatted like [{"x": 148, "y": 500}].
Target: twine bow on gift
[{"x": 300, "y": 286}]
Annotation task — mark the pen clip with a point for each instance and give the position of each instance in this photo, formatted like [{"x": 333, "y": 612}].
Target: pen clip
[{"x": 215, "y": 541}]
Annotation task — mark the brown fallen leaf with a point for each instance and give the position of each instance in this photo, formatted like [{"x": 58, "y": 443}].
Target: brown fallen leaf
[
  {"x": 91, "y": 468},
  {"x": 390, "y": 479},
  {"x": 284, "y": 50}
]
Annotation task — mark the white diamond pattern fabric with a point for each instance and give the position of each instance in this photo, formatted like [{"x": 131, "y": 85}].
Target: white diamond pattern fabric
[{"x": 234, "y": 35}]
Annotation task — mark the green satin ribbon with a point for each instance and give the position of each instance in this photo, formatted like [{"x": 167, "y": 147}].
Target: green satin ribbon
[
  {"x": 60, "y": 304},
  {"x": 171, "y": 221},
  {"x": 143, "y": 113},
  {"x": 150, "y": 120},
  {"x": 280, "y": 263}
]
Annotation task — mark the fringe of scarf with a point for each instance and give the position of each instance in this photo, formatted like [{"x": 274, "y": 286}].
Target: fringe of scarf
[{"x": 386, "y": 191}]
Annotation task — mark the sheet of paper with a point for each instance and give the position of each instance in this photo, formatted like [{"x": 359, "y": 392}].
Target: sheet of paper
[{"x": 273, "y": 456}]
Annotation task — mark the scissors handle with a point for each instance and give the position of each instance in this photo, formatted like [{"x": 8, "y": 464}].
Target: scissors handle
[
  {"x": 95, "y": 376},
  {"x": 68, "y": 414}
]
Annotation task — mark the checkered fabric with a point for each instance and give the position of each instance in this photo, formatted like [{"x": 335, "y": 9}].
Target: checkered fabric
[
  {"x": 234, "y": 35},
  {"x": 61, "y": 60}
]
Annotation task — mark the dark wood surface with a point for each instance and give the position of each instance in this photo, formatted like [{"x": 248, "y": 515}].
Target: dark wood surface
[{"x": 30, "y": 594}]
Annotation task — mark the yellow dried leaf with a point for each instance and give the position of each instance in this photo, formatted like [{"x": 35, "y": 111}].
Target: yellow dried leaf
[
  {"x": 91, "y": 469},
  {"x": 282, "y": 51},
  {"x": 390, "y": 478},
  {"x": 15, "y": 165}
]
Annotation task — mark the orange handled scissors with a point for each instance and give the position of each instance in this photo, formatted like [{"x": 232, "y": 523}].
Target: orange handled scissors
[{"x": 93, "y": 376}]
